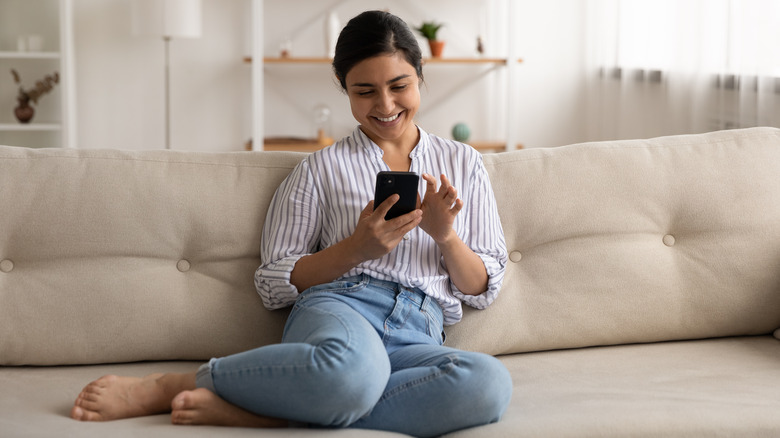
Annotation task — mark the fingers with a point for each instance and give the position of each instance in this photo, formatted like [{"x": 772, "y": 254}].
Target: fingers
[
  {"x": 403, "y": 223},
  {"x": 385, "y": 206},
  {"x": 430, "y": 180},
  {"x": 445, "y": 183},
  {"x": 457, "y": 207},
  {"x": 446, "y": 192},
  {"x": 406, "y": 222}
]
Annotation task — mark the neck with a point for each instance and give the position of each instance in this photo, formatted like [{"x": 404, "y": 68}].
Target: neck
[{"x": 396, "y": 152}]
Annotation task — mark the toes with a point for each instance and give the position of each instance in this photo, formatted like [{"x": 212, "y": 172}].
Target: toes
[
  {"x": 76, "y": 413},
  {"x": 182, "y": 418},
  {"x": 181, "y": 401},
  {"x": 81, "y": 414},
  {"x": 183, "y": 409}
]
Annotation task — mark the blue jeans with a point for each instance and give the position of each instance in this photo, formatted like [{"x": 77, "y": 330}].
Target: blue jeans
[{"x": 364, "y": 353}]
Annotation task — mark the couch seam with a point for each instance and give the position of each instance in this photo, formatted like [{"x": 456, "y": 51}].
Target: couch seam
[{"x": 145, "y": 160}]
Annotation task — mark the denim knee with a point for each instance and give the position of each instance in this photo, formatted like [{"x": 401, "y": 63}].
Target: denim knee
[
  {"x": 353, "y": 381},
  {"x": 498, "y": 382},
  {"x": 488, "y": 389}
]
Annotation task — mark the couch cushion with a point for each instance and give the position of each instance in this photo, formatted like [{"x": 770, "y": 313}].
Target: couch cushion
[
  {"x": 724, "y": 387},
  {"x": 721, "y": 387},
  {"x": 36, "y": 402},
  {"x": 111, "y": 256},
  {"x": 635, "y": 241}
]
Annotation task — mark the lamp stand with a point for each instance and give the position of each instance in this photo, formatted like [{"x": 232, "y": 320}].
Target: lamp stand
[{"x": 167, "y": 41}]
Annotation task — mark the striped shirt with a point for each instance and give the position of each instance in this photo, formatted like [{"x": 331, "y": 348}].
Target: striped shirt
[{"x": 320, "y": 202}]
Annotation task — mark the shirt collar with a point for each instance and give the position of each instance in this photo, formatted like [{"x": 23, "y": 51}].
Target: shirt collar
[{"x": 361, "y": 139}]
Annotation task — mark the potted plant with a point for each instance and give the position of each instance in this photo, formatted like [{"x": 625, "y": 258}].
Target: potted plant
[
  {"x": 24, "y": 111},
  {"x": 429, "y": 30}
]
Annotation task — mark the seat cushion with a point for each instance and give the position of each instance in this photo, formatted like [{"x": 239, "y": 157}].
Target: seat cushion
[
  {"x": 36, "y": 402},
  {"x": 720, "y": 387}
]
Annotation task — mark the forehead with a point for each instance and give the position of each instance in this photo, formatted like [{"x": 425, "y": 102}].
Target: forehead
[{"x": 380, "y": 69}]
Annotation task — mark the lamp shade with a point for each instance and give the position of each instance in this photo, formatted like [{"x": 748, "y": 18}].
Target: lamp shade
[{"x": 167, "y": 18}]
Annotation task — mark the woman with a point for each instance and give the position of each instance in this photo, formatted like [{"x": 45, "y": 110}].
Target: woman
[{"x": 362, "y": 346}]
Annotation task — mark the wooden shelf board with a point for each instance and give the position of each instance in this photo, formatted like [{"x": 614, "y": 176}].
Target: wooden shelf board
[
  {"x": 29, "y": 55},
  {"x": 32, "y": 127},
  {"x": 318, "y": 60},
  {"x": 311, "y": 146}
]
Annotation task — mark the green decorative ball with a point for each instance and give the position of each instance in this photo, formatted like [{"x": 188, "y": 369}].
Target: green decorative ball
[{"x": 461, "y": 132}]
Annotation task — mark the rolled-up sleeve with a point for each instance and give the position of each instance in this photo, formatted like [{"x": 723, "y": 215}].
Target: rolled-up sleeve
[
  {"x": 485, "y": 238},
  {"x": 291, "y": 231}
]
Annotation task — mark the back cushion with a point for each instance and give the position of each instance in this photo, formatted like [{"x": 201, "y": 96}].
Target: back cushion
[
  {"x": 635, "y": 241},
  {"x": 109, "y": 256}
]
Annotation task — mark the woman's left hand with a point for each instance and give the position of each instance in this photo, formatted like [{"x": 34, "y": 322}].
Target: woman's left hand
[{"x": 439, "y": 209}]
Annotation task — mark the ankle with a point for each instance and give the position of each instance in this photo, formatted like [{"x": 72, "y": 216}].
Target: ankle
[
  {"x": 174, "y": 383},
  {"x": 167, "y": 387}
]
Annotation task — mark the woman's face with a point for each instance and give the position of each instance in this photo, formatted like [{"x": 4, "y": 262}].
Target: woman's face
[{"x": 384, "y": 94}]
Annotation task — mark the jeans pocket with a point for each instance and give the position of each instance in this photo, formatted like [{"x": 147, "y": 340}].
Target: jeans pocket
[{"x": 435, "y": 319}]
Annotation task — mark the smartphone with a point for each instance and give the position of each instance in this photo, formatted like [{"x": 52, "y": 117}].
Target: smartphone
[{"x": 403, "y": 183}]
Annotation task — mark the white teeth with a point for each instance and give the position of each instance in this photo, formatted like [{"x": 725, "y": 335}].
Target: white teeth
[{"x": 389, "y": 119}]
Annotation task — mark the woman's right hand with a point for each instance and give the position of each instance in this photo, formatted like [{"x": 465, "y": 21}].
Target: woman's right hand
[{"x": 374, "y": 236}]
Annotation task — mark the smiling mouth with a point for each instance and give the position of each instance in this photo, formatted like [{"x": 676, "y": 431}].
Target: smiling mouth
[{"x": 388, "y": 119}]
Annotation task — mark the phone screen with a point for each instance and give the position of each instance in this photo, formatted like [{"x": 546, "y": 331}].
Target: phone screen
[{"x": 402, "y": 183}]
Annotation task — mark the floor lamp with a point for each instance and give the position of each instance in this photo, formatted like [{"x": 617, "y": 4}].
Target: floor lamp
[{"x": 167, "y": 19}]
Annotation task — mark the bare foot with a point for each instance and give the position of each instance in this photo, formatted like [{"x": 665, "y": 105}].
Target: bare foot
[
  {"x": 113, "y": 397},
  {"x": 203, "y": 407}
]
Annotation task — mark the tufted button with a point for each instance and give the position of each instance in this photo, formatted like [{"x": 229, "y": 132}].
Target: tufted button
[
  {"x": 515, "y": 256},
  {"x": 6, "y": 266},
  {"x": 669, "y": 240},
  {"x": 183, "y": 265}
]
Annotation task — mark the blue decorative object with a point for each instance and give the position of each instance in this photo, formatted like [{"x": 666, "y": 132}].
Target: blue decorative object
[{"x": 461, "y": 132}]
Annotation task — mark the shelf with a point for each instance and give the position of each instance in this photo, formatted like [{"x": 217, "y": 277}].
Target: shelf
[
  {"x": 319, "y": 60},
  {"x": 29, "y": 55},
  {"x": 462, "y": 70},
  {"x": 31, "y": 127},
  {"x": 302, "y": 145},
  {"x": 503, "y": 61},
  {"x": 48, "y": 26}
]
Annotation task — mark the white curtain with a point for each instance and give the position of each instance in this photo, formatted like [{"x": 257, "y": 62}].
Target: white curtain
[{"x": 661, "y": 67}]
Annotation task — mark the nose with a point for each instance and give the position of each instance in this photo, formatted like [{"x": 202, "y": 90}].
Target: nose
[{"x": 384, "y": 103}]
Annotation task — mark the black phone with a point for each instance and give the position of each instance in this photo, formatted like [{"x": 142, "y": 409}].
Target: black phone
[{"x": 403, "y": 183}]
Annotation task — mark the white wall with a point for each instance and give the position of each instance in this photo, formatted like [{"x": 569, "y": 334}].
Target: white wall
[
  {"x": 120, "y": 80},
  {"x": 552, "y": 93},
  {"x": 120, "y": 77}
]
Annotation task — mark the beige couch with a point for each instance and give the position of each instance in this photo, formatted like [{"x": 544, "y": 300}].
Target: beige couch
[{"x": 640, "y": 299}]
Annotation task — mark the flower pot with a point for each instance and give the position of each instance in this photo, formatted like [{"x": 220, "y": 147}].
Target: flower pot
[
  {"x": 437, "y": 47},
  {"x": 24, "y": 112}
]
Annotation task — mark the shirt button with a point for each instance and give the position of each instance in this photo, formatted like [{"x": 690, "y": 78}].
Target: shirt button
[{"x": 406, "y": 237}]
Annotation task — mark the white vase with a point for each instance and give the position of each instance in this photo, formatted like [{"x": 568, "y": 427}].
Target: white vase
[{"x": 332, "y": 30}]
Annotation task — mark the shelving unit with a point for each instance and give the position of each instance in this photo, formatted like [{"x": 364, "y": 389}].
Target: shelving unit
[
  {"x": 509, "y": 62},
  {"x": 315, "y": 60},
  {"x": 50, "y": 21}
]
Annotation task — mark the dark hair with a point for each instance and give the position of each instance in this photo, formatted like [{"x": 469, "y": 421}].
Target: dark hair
[{"x": 374, "y": 33}]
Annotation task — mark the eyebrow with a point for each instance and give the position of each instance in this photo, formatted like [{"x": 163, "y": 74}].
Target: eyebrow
[{"x": 395, "y": 79}]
